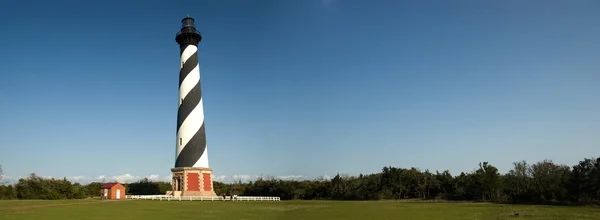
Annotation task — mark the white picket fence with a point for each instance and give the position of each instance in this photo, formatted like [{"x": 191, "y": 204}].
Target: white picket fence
[{"x": 202, "y": 198}]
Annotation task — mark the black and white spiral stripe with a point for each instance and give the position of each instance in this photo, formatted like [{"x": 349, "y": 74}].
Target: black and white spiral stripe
[{"x": 191, "y": 137}]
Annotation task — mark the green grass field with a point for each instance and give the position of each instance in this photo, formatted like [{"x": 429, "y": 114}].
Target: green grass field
[{"x": 139, "y": 209}]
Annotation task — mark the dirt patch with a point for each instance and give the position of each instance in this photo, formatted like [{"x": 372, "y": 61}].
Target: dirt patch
[{"x": 53, "y": 205}]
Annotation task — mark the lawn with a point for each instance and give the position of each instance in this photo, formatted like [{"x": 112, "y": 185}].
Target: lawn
[
  {"x": 27, "y": 203},
  {"x": 139, "y": 209}
]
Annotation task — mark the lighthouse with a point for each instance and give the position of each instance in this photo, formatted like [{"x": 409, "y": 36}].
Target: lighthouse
[{"x": 191, "y": 173}]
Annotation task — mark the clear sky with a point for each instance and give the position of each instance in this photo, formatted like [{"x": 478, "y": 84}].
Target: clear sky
[{"x": 88, "y": 89}]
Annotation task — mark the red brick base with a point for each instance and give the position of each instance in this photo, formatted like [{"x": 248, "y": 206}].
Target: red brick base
[{"x": 196, "y": 181}]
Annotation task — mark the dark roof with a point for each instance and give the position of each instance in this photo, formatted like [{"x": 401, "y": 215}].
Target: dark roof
[{"x": 109, "y": 185}]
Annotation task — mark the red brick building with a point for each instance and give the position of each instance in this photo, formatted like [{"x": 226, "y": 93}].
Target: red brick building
[{"x": 112, "y": 191}]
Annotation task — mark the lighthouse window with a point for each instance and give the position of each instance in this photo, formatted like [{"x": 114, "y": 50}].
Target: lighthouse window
[{"x": 179, "y": 141}]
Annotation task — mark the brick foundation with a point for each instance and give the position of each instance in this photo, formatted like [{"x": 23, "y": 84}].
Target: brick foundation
[{"x": 193, "y": 181}]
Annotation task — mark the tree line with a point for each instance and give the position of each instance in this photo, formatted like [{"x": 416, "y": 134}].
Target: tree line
[
  {"x": 543, "y": 182},
  {"x": 36, "y": 187}
]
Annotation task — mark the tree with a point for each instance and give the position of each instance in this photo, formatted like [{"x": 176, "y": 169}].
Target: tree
[
  {"x": 489, "y": 182},
  {"x": 144, "y": 187},
  {"x": 549, "y": 181},
  {"x": 585, "y": 180},
  {"x": 446, "y": 184},
  {"x": 92, "y": 189},
  {"x": 518, "y": 182}
]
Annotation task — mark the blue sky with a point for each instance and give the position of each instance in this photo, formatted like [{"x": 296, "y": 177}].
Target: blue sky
[{"x": 304, "y": 88}]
